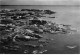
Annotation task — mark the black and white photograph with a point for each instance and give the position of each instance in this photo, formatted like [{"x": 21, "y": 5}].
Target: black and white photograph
[{"x": 39, "y": 26}]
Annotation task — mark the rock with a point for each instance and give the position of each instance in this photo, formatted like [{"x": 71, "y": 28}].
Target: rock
[
  {"x": 5, "y": 41},
  {"x": 42, "y": 51},
  {"x": 34, "y": 35},
  {"x": 12, "y": 48},
  {"x": 30, "y": 38},
  {"x": 25, "y": 51},
  {"x": 38, "y": 36},
  {"x": 47, "y": 38},
  {"x": 71, "y": 47},
  {"x": 38, "y": 22},
  {"x": 51, "y": 17},
  {"x": 24, "y": 38},
  {"x": 49, "y": 12},
  {"x": 27, "y": 37},
  {"x": 1, "y": 42},
  {"x": 35, "y": 52},
  {"x": 47, "y": 41},
  {"x": 52, "y": 39},
  {"x": 30, "y": 31},
  {"x": 40, "y": 30},
  {"x": 52, "y": 31},
  {"x": 31, "y": 45},
  {"x": 33, "y": 38},
  {"x": 18, "y": 47},
  {"x": 21, "y": 39},
  {"x": 41, "y": 45},
  {"x": 5, "y": 47},
  {"x": 42, "y": 41},
  {"x": 44, "y": 44},
  {"x": 6, "y": 21}
]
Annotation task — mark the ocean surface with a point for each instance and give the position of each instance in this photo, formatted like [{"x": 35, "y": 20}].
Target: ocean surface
[{"x": 64, "y": 15}]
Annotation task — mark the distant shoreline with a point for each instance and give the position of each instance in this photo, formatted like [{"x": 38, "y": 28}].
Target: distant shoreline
[{"x": 39, "y": 5}]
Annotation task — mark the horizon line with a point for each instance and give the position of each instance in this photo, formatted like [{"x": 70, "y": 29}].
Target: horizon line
[{"x": 38, "y": 5}]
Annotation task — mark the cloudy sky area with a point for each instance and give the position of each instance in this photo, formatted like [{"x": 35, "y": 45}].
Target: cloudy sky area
[{"x": 40, "y": 2}]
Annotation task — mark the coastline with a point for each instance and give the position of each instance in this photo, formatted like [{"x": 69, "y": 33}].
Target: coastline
[{"x": 57, "y": 39}]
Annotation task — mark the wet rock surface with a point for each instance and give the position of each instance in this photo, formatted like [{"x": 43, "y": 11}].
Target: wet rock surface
[
  {"x": 21, "y": 31},
  {"x": 72, "y": 49}
]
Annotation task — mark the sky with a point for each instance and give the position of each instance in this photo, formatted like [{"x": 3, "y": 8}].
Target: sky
[{"x": 39, "y": 2}]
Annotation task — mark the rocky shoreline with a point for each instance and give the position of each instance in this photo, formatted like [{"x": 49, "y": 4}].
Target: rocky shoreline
[{"x": 23, "y": 25}]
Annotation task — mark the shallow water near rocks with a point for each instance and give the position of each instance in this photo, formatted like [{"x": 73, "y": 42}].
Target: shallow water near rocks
[{"x": 61, "y": 41}]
